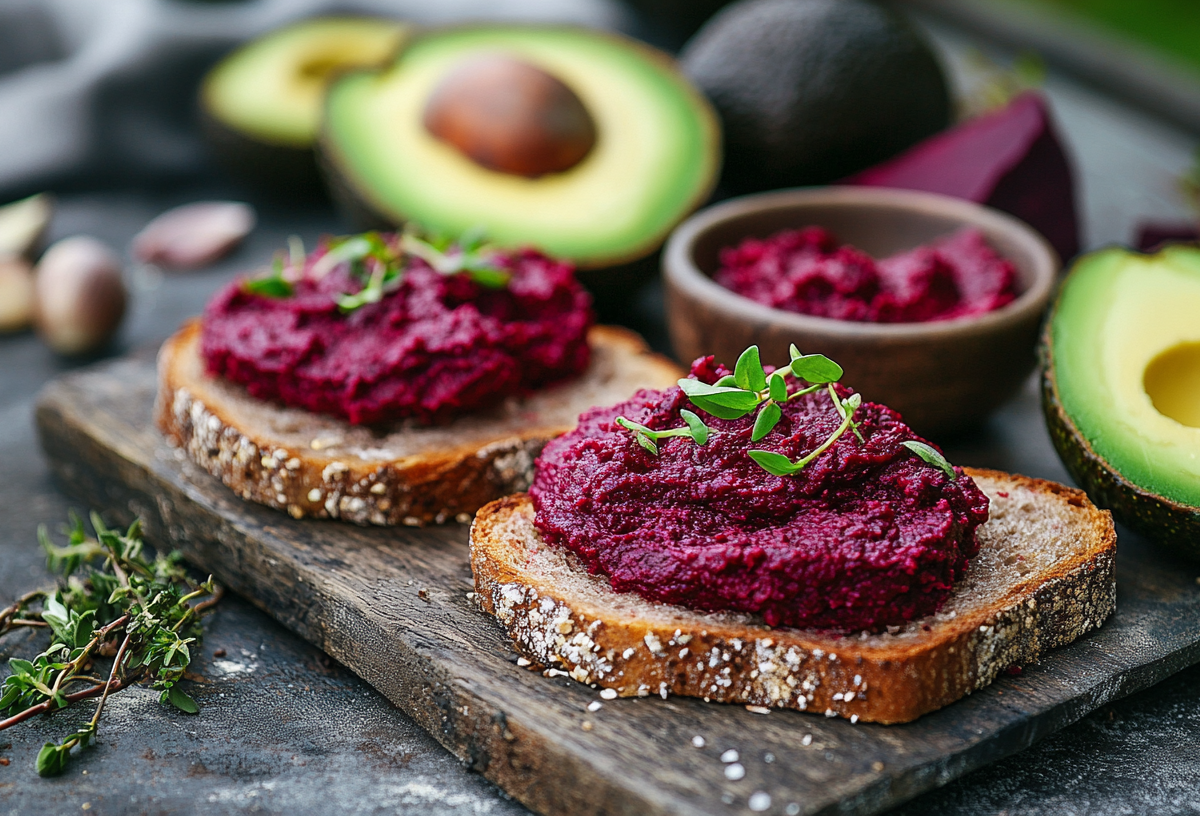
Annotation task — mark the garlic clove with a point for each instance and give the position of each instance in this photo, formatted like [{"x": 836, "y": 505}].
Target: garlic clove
[
  {"x": 23, "y": 224},
  {"x": 80, "y": 296},
  {"x": 16, "y": 295},
  {"x": 194, "y": 235}
]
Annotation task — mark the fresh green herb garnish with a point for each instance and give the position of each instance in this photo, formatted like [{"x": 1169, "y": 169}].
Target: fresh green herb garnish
[
  {"x": 694, "y": 427},
  {"x": 274, "y": 285},
  {"x": 930, "y": 454},
  {"x": 469, "y": 255},
  {"x": 751, "y": 389},
  {"x": 113, "y": 602}
]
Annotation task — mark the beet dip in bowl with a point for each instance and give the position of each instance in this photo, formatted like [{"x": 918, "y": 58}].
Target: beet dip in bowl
[{"x": 943, "y": 369}]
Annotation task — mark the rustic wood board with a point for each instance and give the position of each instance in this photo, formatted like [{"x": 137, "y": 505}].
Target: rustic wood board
[{"x": 392, "y": 605}]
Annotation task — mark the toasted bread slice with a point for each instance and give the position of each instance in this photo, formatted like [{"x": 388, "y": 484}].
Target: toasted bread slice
[
  {"x": 319, "y": 466},
  {"x": 1045, "y": 575}
]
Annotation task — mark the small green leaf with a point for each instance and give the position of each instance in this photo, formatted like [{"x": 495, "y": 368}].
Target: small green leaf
[
  {"x": 766, "y": 421},
  {"x": 57, "y": 616},
  {"x": 748, "y": 373},
  {"x": 816, "y": 368},
  {"x": 630, "y": 425},
  {"x": 794, "y": 352},
  {"x": 272, "y": 287},
  {"x": 178, "y": 698},
  {"x": 774, "y": 463},
  {"x": 727, "y": 381},
  {"x": 646, "y": 442},
  {"x": 736, "y": 398},
  {"x": 489, "y": 277},
  {"x": 777, "y": 387},
  {"x": 51, "y": 760},
  {"x": 696, "y": 426},
  {"x": 931, "y": 455},
  {"x": 719, "y": 411}
]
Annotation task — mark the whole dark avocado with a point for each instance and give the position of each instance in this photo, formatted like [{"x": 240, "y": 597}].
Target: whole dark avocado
[
  {"x": 1121, "y": 388},
  {"x": 810, "y": 91}
]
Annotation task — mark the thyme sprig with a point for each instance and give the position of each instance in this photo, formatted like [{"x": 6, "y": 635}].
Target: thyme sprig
[{"x": 113, "y": 601}]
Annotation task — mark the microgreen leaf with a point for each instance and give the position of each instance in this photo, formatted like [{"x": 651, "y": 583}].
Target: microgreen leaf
[
  {"x": 699, "y": 431},
  {"x": 748, "y": 374},
  {"x": 630, "y": 425},
  {"x": 728, "y": 381},
  {"x": 646, "y": 442},
  {"x": 777, "y": 387},
  {"x": 717, "y": 410},
  {"x": 721, "y": 395},
  {"x": 489, "y": 277},
  {"x": 931, "y": 455},
  {"x": 816, "y": 368},
  {"x": 766, "y": 421},
  {"x": 58, "y": 617},
  {"x": 774, "y": 463}
]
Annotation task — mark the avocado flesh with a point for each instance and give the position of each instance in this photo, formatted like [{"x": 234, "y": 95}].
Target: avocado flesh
[
  {"x": 654, "y": 160},
  {"x": 1121, "y": 377},
  {"x": 271, "y": 89}
]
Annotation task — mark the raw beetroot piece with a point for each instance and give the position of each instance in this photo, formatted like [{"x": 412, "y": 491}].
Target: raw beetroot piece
[{"x": 1009, "y": 159}]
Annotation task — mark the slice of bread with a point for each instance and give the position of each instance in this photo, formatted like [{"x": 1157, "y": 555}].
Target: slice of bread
[
  {"x": 1045, "y": 575},
  {"x": 318, "y": 466}
]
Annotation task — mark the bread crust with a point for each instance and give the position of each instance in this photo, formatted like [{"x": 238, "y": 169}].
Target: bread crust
[
  {"x": 582, "y": 629},
  {"x": 302, "y": 463}
]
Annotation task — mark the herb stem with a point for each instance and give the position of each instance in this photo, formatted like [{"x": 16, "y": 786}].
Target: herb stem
[
  {"x": 74, "y": 697},
  {"x": 112, "y": 676},
  {"x": 847, "y": 418},
  {"x": 7, "y": 614},
  {"x": 214, "y": 597}
]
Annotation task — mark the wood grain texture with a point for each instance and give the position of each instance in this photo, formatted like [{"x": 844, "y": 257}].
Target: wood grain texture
[{"x": 392, "y": 605}]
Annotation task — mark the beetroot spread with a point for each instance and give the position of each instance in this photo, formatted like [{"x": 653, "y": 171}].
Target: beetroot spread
[
  {"x": 867, "y": 535},
  {"x": 807, "y": 271},
  {"x": 435, "y": 345}
]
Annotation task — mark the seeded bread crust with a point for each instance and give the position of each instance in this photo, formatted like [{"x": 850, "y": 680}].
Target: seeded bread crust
[
  {"x": 1045, "y": 575},
  {"x": 317, "y": 466}
]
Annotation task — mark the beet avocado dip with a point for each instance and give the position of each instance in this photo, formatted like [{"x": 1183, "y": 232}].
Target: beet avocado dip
[
  {"x": 866, "y": 534},
  {"x": 807, "y": 271},
  {"x": 367, "y": 329}
]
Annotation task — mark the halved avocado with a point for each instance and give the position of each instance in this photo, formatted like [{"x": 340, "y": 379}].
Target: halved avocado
[
  {"x": 1121, "y": 388},
  {"x": 261, "y": 105},
  {"x": 654, "y": 158}
]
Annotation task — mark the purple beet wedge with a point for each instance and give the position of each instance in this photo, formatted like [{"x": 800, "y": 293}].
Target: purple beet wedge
[{"x": 1010, "y": 159}]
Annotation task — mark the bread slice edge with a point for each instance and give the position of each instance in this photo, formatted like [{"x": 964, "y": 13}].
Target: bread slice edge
[
  {"x": 196, "y": 415},
  {"x": 564, "y": 630}
]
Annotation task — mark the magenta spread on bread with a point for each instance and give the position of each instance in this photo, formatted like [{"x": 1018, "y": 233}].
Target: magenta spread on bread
[
  {"x": 376, "y": 328},
  {"x": 865, "y": 535},
  {"x": 806, "y": 271}
]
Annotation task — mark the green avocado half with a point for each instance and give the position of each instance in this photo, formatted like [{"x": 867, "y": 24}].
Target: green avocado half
[
  {"x": 261, "y": 105},
  {"x": 655, "y": 156},
  {"x": 1121, "y": 387}
]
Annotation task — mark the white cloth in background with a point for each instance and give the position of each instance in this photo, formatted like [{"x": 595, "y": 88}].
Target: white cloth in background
[{"x": 102, "y": 92}]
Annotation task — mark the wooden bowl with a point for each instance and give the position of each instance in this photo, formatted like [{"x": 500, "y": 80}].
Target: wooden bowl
[{"x": 941, "y": 376}]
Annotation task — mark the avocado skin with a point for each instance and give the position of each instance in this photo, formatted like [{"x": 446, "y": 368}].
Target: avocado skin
[
  {"x": 811, "y": 91},
  {"x": 1161, "y": 520},
  {"x": 277, "y": 171}
]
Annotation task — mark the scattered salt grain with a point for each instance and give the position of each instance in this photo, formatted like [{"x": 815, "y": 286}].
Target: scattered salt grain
[
  {"x": 594, "y": 705},
  {"x": 730, "y": 756},
  {"x": 608, "y": 694},
  {"x": 734, "y": 772},
  {"x": 760, "y": 801},
  {"x": 698, "y": 741}
]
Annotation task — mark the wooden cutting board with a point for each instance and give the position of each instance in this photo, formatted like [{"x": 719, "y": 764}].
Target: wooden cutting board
[{"x": 392, "y": 605}]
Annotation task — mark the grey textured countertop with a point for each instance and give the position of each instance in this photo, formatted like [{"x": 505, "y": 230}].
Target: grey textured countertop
[{"x": 286, "y": 730}]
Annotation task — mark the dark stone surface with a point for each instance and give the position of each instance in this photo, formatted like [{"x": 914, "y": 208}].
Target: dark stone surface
[{"x": 329, "y": 743}]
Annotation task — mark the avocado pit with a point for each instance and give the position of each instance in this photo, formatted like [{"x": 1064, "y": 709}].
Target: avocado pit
[
  {"x": 510, "y": 116},
  {"x": 1172, "y": 381}
]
